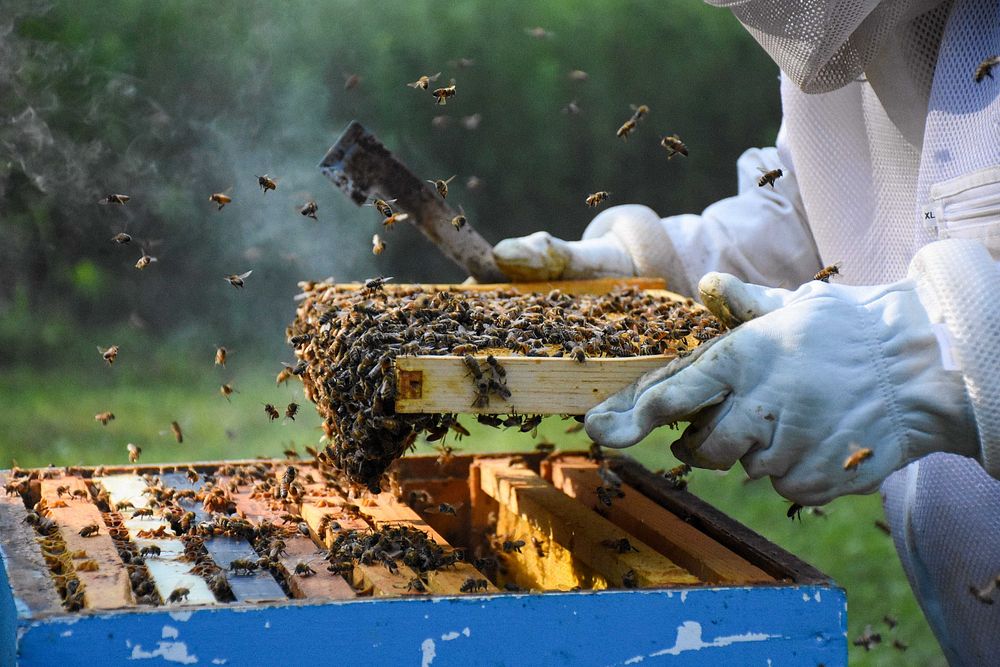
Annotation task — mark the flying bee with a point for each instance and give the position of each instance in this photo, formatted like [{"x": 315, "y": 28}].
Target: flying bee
[
  {"x": 104, "y": 417},
  {"x": 109, "y": 354},
  {"x": 284, "y": 375},
  {"x": 510, "y": 546},
  {"x": 571, "y": 109},
  {"x": 373, "y": 285},
  {"x": 424, "y": 81},
  {"x": 983, "y": 70},
  {"x": 828, "y": 272},
  {"x": 538, "y": 32},
  {"x": 291, "y": 410},
  {"x": 857, "y": 458},
  {"x": 639, "y": 112},
  {"x": 444, "y": 508},
  {"x": 220, "y": 356},
  {"x": 459, "y": 221},
  {"x": 378, "y": 245},
  {"x": 794, "y": 512},
  {"x": 266, "y": 183},
  {"x": 442, "y": 186},
  {"x": 442, "y": 94},
  {"x": 90, "y": 530},
  {"x": 175, "y": 428},
  {"x": 393, "y": 219},
  {"x": 134, "y": 451},
  {"x": 144, "y": 261},
  {"x": 121, "y": 200},
  {"x": 578, "y": 75},
  {"x": 768, "y": 177},
  {"x": 142, "y": 512},
  {"x": 309, "y": 209},
  {"x": 271, "y": 411},
  {"x": 595, "y": 200},
  {"x": 236, "y": 280},
  {"x": 351, "y": 81},
  {"x": 445, "y": 454},
  {"x": 121, "y": 238},
  {"x": 221, "y": 198},
  {"x": 382, "y": 206},
  {"x": 626, "y": 129},
  {"x": 545, "y": 447},
  {"x": 674, "y": 146},
  {"x": 226, "y": 390}
]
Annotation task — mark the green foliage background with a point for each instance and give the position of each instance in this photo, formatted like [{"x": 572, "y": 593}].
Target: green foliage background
[{"x": 171, "y": 101}]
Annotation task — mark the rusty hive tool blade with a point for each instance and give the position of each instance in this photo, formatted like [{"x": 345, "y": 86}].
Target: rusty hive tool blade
[{"x": 362, "y": 167}]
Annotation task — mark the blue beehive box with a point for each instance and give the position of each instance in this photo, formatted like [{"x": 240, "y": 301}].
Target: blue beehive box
[{"x": 701, "y": 589}]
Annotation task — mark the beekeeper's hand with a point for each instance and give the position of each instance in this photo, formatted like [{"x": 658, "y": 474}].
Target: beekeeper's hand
[
  {"x": 627, "y": 240},
  {"x": 808, "y": 379}
]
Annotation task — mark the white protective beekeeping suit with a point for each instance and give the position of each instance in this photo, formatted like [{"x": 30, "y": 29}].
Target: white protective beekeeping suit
[{"x": 888, "y": 146}]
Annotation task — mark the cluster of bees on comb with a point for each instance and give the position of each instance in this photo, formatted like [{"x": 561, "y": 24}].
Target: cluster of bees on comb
[{"x": 347, "y": 339}]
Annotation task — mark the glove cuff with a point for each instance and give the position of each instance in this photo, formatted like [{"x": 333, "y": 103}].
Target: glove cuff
[{"x": 958, "y": 284}]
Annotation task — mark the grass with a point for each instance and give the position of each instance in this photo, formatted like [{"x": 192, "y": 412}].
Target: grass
[{"x": 49, "y": 418}]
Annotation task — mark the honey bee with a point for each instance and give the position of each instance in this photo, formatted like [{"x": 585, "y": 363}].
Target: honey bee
[
  {"x": 984, "y": 69},
  {"x": 351, "y": 81},
  {"x": 90, "y": 530},
  {"x": 373, "y": 285},
  {"x": 178, "y": 594},
  {"x": 828, "y": 272},
  {"x": 286, "y": 481},
  {"x": 271, "y": 411},
  {"x": 284, "y": 375},
  {"x": 121, "y": 238},
  {"x": 883, "y": 526},
  {"x": 768, "y": 177},
  {"x": 626, "y": 129},
  {"x": 104, "y": 417},
  {"x": 424, "y": 81},
  {"x": 674, "y": 146},
  {"x": 444, "y": 508},
  {"x": 226, "y": 390},
  {"x": 291, "y": 410},
  {"x": 175, "y": 428},
  {"x": 473, "y": 183},
  {"x": 121, "y": 200},
  {"x": 142, "y": 512},
  {"x": 595, "y": 200},
  {"x": 382, "y": 206},
  {"x": 857, "y": 458},
  {"x": 571, "y": 109},
  {"x": 891, "y": 621},
  {"x": 134, "y": 451},
  {"x": 459, "y": 221},
  {"x": 442, "y": 94},
  {"x": 472, "y": 585},
  {"x": 445, "y": 454},
  {"x": 393, "y": 219},
  {"x": 510, "y": 546},
  {"x": 622, "y": 546},
  {"x": 538, "y": 32},
  {"x": 302, "y": 568},
  {"x": 639, "y": 112},
  {"x": 144, "y": 261},
  {"x": 794, "y": 512},
  {"x": 899, "y": 645},
  {"x": 151, "y": 550},
  {"x": 378, "y": 245},
  {"x": 220, "y": 356},
  {"x": 545, "y": 447},
  {"x": 630, "y": 579},
  {"x": 578, "y": 75},
  {"x": 266, "y": 183},
  {"x": 442, "y": 186},
  {"x": 309, "y": 209},
  {"x": 236, "y": 280},
  {"x": 110, "y": 354},
  {"x": 221, "y": 199}
]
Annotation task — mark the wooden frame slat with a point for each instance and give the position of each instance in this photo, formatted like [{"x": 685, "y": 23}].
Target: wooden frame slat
[
  {"x": 576, "y": 527},
  {"x": 664, "y": 531},
  {"x": 107, "y": 585},
  {"x": 538, "y": 385},
  {"x": 32, "y": 586}
]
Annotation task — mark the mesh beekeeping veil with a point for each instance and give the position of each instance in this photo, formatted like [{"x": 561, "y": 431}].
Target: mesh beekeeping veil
[{"x": 822, "y": 45}]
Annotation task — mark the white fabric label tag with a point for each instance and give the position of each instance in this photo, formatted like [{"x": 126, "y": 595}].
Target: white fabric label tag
[{"x": 946, "y": 345}]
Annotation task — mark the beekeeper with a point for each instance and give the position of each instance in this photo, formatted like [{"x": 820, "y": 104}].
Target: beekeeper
[{"x": 890, "y": 152}]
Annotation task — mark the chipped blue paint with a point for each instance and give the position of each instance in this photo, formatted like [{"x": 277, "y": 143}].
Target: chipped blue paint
[{"x": 701, "y": 626}]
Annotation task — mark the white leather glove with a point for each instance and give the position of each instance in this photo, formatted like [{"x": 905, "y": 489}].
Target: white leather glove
[
  {"x": 628, "y": 240},
  {"x": 807, "y": 379}
]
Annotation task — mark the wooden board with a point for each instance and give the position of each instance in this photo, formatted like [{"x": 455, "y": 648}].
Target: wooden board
[
  {"x": 538, "y": 385},
  {"x": 107, "y": 585},
  {"x": 682, "y": 543},
  {"x": 169, "y": 570},
  {"x": 577, "y": 528},
  {"x": 595, "y": 286},
  {"x": 31, "y": 587}
]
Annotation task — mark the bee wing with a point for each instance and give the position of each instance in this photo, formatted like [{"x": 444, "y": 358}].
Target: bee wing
[
  {"x": 435, "y": 77},
  {"x": 451, "y": 179},
  {"x": 762, "y": 170},
  {"x": 244, "y": 275}
]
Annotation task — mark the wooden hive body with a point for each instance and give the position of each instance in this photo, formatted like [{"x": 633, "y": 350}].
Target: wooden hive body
[{"x": 709, "y": 591}]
